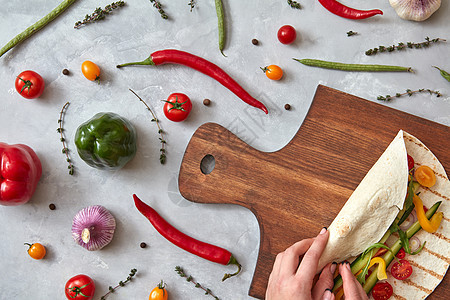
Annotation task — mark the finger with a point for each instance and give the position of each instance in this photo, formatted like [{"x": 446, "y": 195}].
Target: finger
[
  {"x": 291, "y": 256},
  {"x": 310, "y": 261},
  {"x": 325, "y": 281},
  {"x": 276, "y": 266},
  {"x": 352, "y": 288},
  {"x": 328, "y": 295}
]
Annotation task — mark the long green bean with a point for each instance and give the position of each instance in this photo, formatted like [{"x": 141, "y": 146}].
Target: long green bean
[
  {"x": 36, "y": 26},
  {"x": 352, "y": 67},
  {"x": 221, "y": 25},
  {"x": 444, "y": 74}
]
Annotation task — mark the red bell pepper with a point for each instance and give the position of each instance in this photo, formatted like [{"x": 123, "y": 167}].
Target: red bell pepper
[{"x": 20, "y": 171}]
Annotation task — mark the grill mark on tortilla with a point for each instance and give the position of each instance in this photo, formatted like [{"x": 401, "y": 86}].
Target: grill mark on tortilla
[
  {"x": 446, "y": 259},
  {"x": 441, "y": 236},
  {"x": 417, "y": 286},
  {"x": 432, "y": 273},
  {"x": 398, "y": 297},
  {"x": 436, "y": 193}
]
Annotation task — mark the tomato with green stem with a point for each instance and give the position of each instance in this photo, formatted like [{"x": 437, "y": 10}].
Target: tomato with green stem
[
  {"x": 273, "y": 72},
  {"x": 29, "y": 84},
  {"x": 36, "y": 250},
  {"x": 401, "y": 269},
  {"x": 80, "y": 287},
  {"x": 159, "y": 292},
  {"x": 91, "y": 71},
  {"x": 177, "y": 107},
  {"x": 382, "y": 291}
]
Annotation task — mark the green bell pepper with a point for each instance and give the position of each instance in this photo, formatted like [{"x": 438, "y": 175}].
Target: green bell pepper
[{"x": 106, "y": 141}]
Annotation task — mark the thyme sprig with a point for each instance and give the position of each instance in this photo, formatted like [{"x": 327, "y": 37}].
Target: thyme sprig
[
  {"x": 162, "y": 156},
  {"x": 99, "y": 14},
  {"x": 121, "y": 283},
  {"x": 294, "y": 4},
  {"x": 189, "y": 278},
  {"x": 409, "y": 93},
  {"x": 60, "y": 129},
  {"x": 402, "y": 46},
  {"x": 191, "y": 4},
  {"x": 161, "y": 11}
]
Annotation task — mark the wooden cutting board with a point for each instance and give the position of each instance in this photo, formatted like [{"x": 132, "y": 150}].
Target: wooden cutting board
[{"x": 297, "y": 190}]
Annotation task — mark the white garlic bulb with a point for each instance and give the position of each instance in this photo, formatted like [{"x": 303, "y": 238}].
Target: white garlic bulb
[{"x": 416, "y": 10}]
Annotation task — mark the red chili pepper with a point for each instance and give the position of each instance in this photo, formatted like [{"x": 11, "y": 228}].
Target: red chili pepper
[
  {"x": 348, "y": 12},
  {"x": 199, "y": 248},
  {"x": 202, "y": 65}
]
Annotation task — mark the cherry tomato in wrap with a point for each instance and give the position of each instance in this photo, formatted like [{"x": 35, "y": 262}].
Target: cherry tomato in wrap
[{"x": 20, "y": 171}]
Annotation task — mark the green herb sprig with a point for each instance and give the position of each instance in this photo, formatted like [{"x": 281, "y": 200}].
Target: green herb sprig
[
  {"x": 350, "y": 33},
  {"x": 192, "y": 4},
  {"x": 189, "y": 278},
  {"x": 99, "y": 14},
  {"x": 161, "y": 11},
  {"x": 294, "y": 4},
  {"x": 121, "y": 283},
  {"x": 162, "y": 156},
  {"x": 60, "y": 129},
  {"x": 402, "y": 46},
  {"x": 409, "y": 93}
]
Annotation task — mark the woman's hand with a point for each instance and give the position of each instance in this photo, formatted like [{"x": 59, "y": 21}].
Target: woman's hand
[{"x": 289, "y": 280}]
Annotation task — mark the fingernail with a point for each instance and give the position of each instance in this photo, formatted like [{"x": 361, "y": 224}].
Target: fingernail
[
  {"x": 327, "y": 294},
  {"x": 347, "y": 265},
  {"x": 324, "y": 229},
  {"x": 333, "y": 267}
]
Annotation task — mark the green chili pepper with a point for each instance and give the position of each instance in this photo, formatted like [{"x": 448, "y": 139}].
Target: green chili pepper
[
  {"x": 444, "y": 74},
  {"x": 36, "y": 26},
  {"x": 352, "y": 67},
  {"x": 221, "y": 25}
]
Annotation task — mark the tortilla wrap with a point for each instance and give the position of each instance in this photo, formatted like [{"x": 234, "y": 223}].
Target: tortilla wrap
[{"x": 375, "y": 203}]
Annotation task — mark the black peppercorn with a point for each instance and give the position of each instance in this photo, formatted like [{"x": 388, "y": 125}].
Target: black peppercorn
[
  {"x": 52, "y": 206},
  {"x": 143, "y": 245},
  {"x": 206, "y": 102},
  {"x": 65, "y": 72},
  {"x": 287, "y": 106},
  {"x": 255, "y": 42}
]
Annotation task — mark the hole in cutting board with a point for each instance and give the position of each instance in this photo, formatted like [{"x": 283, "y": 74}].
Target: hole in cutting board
[{"x": 207, "y": 164}]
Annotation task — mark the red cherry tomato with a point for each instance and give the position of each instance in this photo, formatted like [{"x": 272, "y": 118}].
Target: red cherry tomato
[
  {"x": 401, "y": 269},
  {"x": 29, "y": 84},
  {"x": 287, "y": 34},
  {"x": 382, "y": 291},
  {"x": 177, "y": 107},
  {"x": 80, "y": 287},
  {"x": 401, "y": 254},
  {"x": 410, "y": 162}
]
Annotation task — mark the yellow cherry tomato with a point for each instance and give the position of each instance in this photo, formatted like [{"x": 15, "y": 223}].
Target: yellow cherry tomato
[
  {"x": 90, "y": 70},
  {"x": 159, "y": 292},
  {"x": 273, "y": 72},
  {"x": 425, "y": 176},
  {"x": 36, "y": 250}
]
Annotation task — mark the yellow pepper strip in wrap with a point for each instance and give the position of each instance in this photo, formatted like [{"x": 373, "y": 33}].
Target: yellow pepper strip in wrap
[
  {"x": 339, "y": 294},
  {"x": 428, "y": 225},
  {"x": 381, "y": 270}
]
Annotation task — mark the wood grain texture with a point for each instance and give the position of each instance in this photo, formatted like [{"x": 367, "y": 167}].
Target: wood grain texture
[{"x": 297, "y": 190}]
